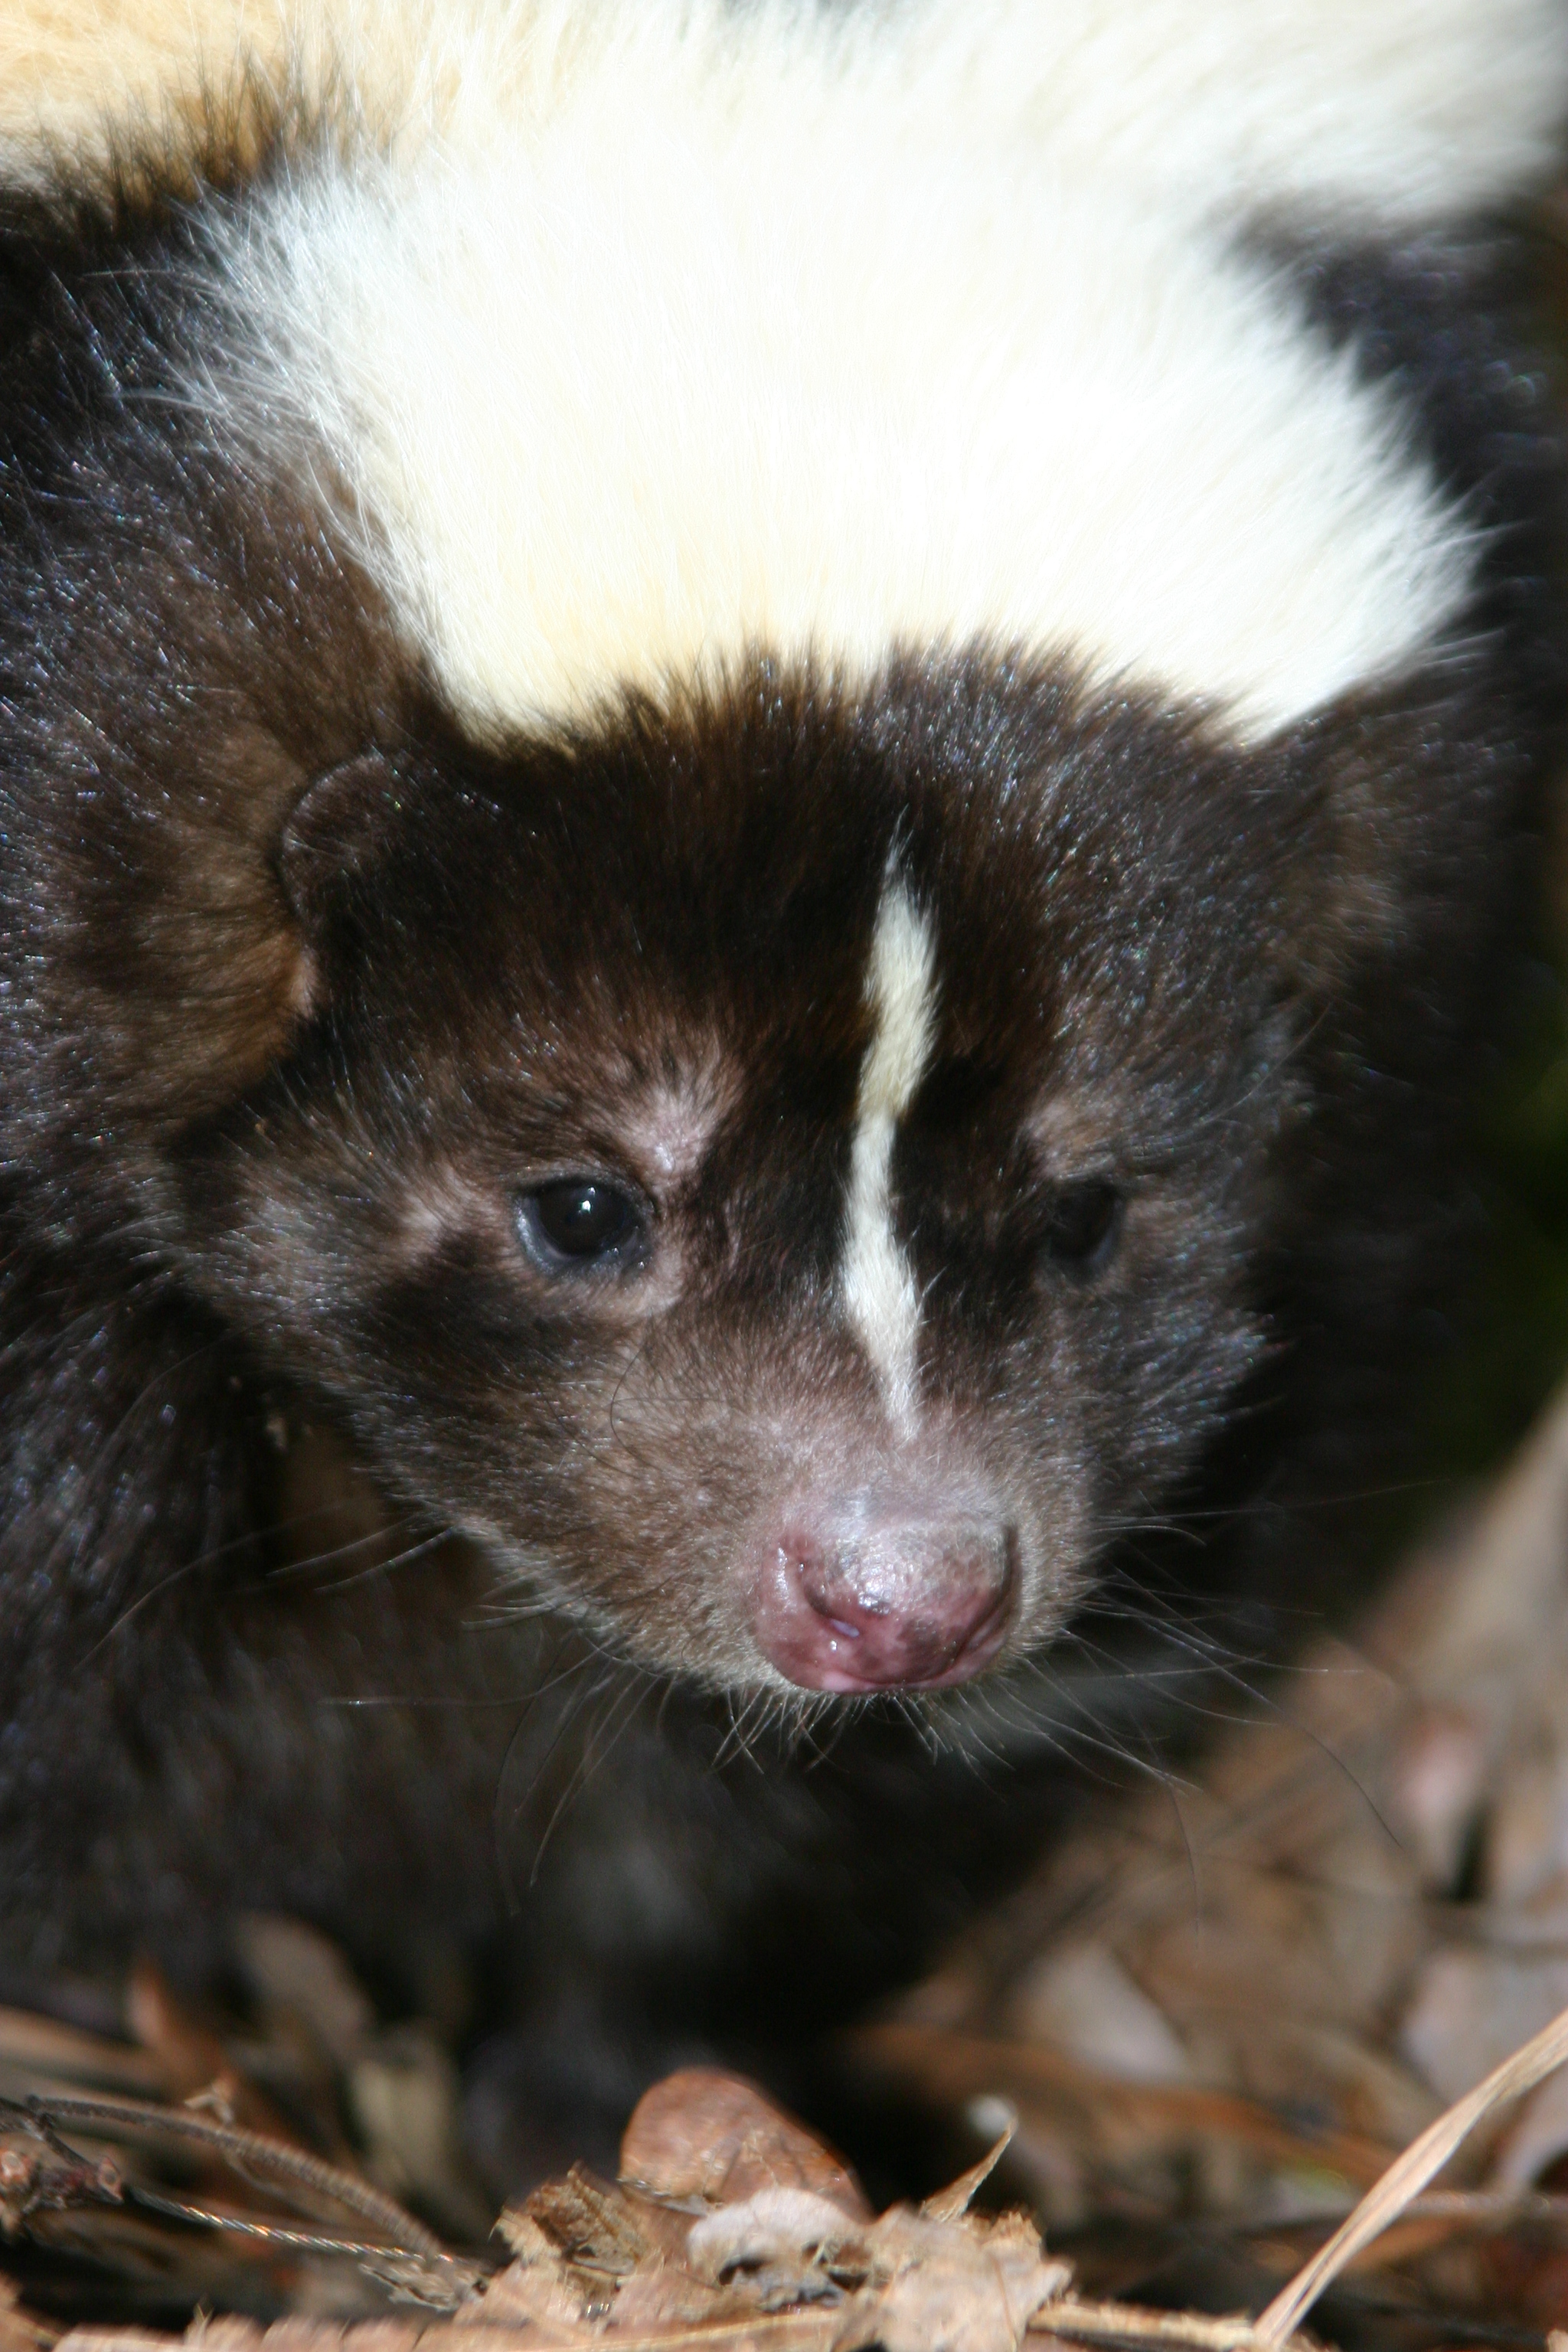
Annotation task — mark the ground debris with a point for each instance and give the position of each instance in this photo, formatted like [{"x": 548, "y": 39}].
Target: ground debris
[
  {"x": 1295, "y": 2027},
  {"x": 630, "y": 2258},
  {"x": 622, "y": 2264}
]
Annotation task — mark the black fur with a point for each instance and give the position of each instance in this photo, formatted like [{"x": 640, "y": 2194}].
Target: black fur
[{"x": 281, "y": 951}]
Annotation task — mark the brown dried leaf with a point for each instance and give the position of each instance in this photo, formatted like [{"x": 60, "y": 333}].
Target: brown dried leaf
[
  {"x": 595, "y": 2260},
  {"x": 1079, "y": 1996},
  {"x": 39, "y": 2053},
  {"x": 594, "y": 2225},
  {"x": 192, "y": 2062},
  {"x": 524, "y": 2236},
  {"x": 513, "y": 2323},
  {"x": 955, "y": 2199},
  {"x": 972, "y": 2285},
  {"x": 296, "y": 1972},
  {"x": 405, "y": 2096},
  {"x": 524, "y": 2296},
  {"x": 538, "y": 2288},
  {"x": 664, "y": 2225},
  {"x": 660, "y": 2295},
  {"x": 703, "y": 2133}
]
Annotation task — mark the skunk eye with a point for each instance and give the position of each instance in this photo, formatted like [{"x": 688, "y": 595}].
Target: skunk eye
[
  {"x": 1083, "y": 1221},
  {"x": 577, "y": 1223}
]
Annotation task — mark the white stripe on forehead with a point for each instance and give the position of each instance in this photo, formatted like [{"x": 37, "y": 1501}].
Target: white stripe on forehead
[{"x": 878, "y": 1285}]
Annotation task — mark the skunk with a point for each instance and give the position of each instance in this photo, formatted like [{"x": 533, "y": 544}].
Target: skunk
[{"x": 763, "y": 772}]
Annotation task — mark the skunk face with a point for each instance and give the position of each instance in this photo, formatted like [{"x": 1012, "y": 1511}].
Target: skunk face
[{"x": 782, "y": 1174}]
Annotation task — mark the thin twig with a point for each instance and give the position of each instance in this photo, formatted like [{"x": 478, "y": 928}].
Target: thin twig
[
  {"x": 306, "y": 2242},
  {"x": 1125, "y": 2323},
  {"x": 1408, "y": 2175},
  {"x": 241, "y": 2150}
]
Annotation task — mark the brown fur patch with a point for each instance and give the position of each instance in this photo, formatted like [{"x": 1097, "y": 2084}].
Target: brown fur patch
[
  {"x": 160, "y": 94},
  {"x": 76, "y": 77}
]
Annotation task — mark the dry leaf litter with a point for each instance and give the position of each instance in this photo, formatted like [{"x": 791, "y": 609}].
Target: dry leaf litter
[{"x": 1280, "y": 2044}]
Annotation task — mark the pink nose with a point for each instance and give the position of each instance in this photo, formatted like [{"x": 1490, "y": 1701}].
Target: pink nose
[{"x": 851, "y": 1600}]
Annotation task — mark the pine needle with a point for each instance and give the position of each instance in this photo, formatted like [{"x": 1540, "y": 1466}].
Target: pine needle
[{"x": 1408, "y": 2175}]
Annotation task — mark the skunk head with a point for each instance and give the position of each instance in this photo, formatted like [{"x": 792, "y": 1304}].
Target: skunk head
[{"x": 782, "y": 1171}]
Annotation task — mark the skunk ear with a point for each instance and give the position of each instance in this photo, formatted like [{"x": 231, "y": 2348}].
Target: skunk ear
[
  {"x": 336, "y": 831},
  {"x": 1399, "y": 794}
]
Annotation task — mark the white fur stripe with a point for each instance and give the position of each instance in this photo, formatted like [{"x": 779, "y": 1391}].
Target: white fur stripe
[
  {"x": 637, "y": 336},
  {"x": 1399, "y": 111},
  {"x": 694, "y": 331},
  {"x": 877, "y": 1287}
]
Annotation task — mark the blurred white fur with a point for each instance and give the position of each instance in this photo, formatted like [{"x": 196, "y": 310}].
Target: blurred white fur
[{"x": 645, "y": 335}]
